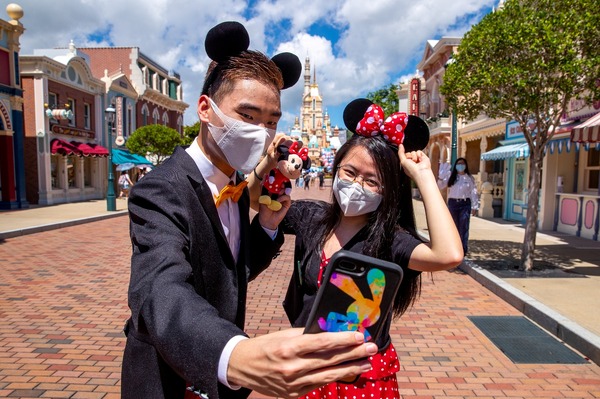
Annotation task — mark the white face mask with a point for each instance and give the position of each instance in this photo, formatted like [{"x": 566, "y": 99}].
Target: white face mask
[
  {"x": 354, "y": 199},
  {"x": 242, "y": 143}
]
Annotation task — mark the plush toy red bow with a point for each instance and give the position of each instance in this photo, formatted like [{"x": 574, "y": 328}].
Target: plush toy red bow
[
  {"x": 302, "y": 152},
  {"x": 373, "y": 123}
]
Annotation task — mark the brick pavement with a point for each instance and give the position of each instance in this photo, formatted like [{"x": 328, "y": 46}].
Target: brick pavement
[{"x": 63, "y": 303}]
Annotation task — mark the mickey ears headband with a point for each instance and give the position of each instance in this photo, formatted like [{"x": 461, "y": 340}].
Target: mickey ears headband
[
  {"x": 363, "y": 117},
  {"x": 230, "y": 38}
]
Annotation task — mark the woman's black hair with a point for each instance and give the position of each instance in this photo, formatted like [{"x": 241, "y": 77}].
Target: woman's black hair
[
  {"x": 394, "y": 212},
  {"x": 452, "y": 178}
]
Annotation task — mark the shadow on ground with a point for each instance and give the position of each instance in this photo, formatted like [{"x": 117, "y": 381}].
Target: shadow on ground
[{"x": 503, "y": 258}]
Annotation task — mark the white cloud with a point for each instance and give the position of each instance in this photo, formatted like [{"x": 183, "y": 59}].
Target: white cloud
[{"x": 380, "y": 40}]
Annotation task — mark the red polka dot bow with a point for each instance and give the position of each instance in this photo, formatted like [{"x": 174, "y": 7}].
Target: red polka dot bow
[{"x": 374, "y": 123}]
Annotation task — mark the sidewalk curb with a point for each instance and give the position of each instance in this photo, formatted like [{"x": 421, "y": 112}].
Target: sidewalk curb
[
  {"x": 53, "y": 226},
  {"x": 563, "y": 328}
]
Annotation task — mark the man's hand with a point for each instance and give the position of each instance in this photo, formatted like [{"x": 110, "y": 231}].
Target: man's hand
[{"x": 290, "y": 364}]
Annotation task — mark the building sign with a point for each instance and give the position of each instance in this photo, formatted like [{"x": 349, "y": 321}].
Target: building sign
[
  {"x": 415, "y": 97},
  {"x": 119, "y": 117},
  {"x": 71, "y": 131}
]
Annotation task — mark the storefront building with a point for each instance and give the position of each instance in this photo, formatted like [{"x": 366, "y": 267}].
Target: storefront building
[
  {"x": 12, "y": 155},
  {"x": 65, "y": 160},
  {"x": 569, "y": 196}
]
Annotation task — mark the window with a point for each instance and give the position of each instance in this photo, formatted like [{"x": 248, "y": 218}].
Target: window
[
  {"x": 52, "y": 100},
  {"x": 165, "y": 119},
  {"x": 592, "y": 170},
  {"x": 54, "y": 171},
  {"x": 87, "y": 171},
  {"x": 86, "y": 116},
  {"x": 155, "y": 116},
  {"x": 71, "y": 171},
  {"x": 71, "y": 103},
  {"x": 129, "y": 121}
]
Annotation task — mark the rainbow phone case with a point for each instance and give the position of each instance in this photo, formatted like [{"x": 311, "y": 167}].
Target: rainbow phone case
[{"x": 357, "y": 294}]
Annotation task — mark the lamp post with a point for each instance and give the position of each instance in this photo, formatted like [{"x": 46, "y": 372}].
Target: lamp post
[
  {"x": 111, "y": 200},
  {"x": 453, "y": 134}
]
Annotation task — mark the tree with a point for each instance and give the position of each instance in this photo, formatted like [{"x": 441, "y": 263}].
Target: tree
[
  {"x": 190, "y": 133},
  {"x": 387, "y": 98},
  {"x": 525, "y": 62},
  {"x": 157, "y": 140}
]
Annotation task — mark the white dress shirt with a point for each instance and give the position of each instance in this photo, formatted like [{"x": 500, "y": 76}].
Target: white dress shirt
[{"x": 463, "y": 188}]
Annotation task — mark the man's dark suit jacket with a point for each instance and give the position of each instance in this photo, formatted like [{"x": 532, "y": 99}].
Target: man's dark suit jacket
[{"x": 187, "y": 295}]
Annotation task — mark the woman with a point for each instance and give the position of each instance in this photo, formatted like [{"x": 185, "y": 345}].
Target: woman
[
  {"x": 371, "y": 213},
  {"x": 125, "y": 184},
  {"x": 462, "y": 198}
]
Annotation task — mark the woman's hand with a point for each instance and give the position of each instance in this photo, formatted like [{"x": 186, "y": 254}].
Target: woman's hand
[{"x": 414, "y": 163}]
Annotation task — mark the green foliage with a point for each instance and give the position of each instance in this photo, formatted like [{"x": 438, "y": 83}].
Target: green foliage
[
  {"x": 386, "y": 97},
  {"x": 527, "y": 61},
  {"x": 157, "y": 140},
  {"x": 190, "y": 133}
]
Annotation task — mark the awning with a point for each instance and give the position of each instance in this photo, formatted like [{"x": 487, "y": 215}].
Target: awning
[
  {"x": 120, "y": 157},
  {"x": 90, "y": 149},
  {"x": 588, "y": 131},
  {"x": 58, "y": 146},
  {"x": 520, "y": 150}
]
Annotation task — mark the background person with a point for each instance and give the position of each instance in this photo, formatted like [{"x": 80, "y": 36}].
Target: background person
[
  {"x": 125, "y": 184},
  {"x": 463, "y": 200},
  {"x": 194, "y": 250}
]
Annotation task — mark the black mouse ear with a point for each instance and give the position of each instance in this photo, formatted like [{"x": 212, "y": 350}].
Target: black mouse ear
[
  {"x": 226, "y": 39},
  {"x": 416, "y": 134},
  {"x": 290, "y": 68},
  {"x": 355, "y": 111}
]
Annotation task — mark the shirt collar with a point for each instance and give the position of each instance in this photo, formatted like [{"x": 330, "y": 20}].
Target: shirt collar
[{"x": 209, "y": 171}]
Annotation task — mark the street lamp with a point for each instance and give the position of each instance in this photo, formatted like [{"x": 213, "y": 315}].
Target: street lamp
[
  {"x": 111, "y": 200},
  {"x": 453, "y": 137}
]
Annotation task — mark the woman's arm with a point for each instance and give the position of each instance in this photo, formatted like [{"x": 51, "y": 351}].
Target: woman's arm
[{"x": 444, "y": 250}]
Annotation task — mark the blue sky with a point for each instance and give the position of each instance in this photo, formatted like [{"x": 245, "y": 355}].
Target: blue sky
[{"x": 356, "y": 46}]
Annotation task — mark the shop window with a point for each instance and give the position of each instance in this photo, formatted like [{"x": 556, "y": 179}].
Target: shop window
[
  {"x": 55, "y": 171},
  {"x": 592, "y": 170},
  {"x": 87, "y": 172},
  {"x": 72, "y": 171}
]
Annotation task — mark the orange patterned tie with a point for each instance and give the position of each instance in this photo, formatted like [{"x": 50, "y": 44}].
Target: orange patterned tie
[{"x": 230, "y": 191}]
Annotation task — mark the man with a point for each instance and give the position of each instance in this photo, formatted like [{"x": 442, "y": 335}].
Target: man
[{"x": 194, "y": 252}]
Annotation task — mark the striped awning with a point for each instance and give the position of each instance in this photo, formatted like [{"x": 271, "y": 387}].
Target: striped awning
[
  {"x": 520, "y": 150},
  {"x": 588, "y": 131}
]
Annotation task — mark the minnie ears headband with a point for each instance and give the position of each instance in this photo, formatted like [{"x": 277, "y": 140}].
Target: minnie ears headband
[
  {"x": 230, "y": 38},
  {"x": 365, "y": 118}
]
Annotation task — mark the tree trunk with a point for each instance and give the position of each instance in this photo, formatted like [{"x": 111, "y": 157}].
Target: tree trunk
[{"x": 531, "y": 224}]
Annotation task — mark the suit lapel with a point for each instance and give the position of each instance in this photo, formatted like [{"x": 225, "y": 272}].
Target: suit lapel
[{"x": 202, "y": 191}]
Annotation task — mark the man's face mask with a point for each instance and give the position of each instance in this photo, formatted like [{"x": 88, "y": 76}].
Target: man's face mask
[{"x": 242, "y": 143}]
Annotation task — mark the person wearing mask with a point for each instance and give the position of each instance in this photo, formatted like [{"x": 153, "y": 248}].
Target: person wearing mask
[
  {"x": 195, "y": 249},
  {"x": 371, "y": 213},
  {"x": 463, "y": 200}
]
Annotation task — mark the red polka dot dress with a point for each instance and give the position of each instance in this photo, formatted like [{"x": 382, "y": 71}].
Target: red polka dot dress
[{"x": 379, "y": 382}]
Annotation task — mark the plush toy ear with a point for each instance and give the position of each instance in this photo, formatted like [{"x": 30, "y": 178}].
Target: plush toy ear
[
  {"x": 226, "y": 39},
  {"x": 416, "y": 134},
  {"x": 290, "y": 68},
  {"x": 354, "y": 112}
]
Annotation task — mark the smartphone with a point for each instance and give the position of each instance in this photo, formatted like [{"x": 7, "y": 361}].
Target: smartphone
[{"x": 356, "y": 294}]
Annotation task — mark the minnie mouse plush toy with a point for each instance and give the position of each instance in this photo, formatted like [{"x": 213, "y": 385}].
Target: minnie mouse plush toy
[{"x": 290, "y": 164}]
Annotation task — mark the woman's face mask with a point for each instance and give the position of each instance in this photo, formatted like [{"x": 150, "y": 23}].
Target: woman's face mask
[
  {"x": 461, "y": 167},
  {"x": 354, "y": 199},
  {"x": 242, "y": 143}
]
